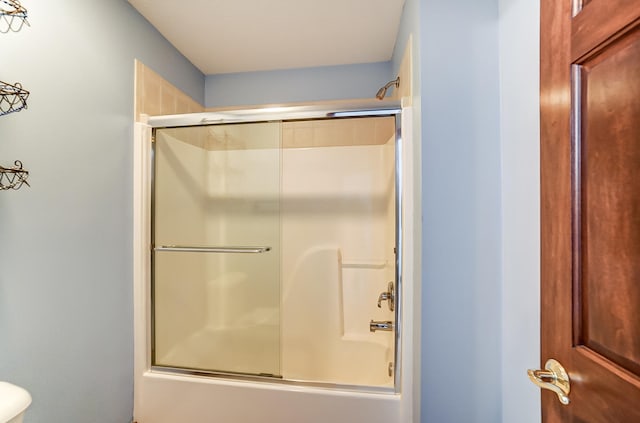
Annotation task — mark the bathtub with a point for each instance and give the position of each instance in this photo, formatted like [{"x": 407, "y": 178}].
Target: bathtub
[{"x": 171, "y": 398}]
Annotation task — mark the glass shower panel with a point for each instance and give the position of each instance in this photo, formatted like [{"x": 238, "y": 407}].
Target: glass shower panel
[
  {"x": 216, "y": 283},
  {"x": 338, "y": 249}
]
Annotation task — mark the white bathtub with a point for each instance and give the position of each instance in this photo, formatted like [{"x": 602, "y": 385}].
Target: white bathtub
[{"x": 169, "y": 398}]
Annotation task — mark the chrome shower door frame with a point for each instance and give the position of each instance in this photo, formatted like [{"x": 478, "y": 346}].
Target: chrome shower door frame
[{"x": 283, "y": 114}]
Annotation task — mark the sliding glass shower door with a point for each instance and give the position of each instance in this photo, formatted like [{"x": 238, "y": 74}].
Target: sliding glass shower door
[
  {"x": 275, "y": 250},
  {"x": 216, "y": 242}
]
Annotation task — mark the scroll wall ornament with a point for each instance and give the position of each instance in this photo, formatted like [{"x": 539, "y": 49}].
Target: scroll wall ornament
[
  {"x": 13, "y": 16},
  {"x": 13, "y": 177}
]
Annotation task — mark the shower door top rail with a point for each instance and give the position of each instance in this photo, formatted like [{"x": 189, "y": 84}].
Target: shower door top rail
[
  {"x": 362, "y": 108},
  {"x": 196, "y": 249}
]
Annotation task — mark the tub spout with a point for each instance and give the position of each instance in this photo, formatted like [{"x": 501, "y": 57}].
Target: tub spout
[{"x": 377, "y": 325}]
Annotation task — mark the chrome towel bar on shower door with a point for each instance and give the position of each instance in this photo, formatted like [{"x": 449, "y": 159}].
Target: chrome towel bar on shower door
[{"x": 185, "y": 249}]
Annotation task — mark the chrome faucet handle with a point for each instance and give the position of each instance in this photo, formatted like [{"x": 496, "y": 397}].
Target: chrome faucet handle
[
  {"x": 388, "y": 296},
  {"x": 383, "y": 297}
]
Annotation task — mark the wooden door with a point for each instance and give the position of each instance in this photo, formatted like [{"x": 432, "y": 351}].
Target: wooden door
[{"x": 590, "y": 206}]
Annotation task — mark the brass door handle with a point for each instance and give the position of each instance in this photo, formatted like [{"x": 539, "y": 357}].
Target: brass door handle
[{"x": 554, "y": 378}]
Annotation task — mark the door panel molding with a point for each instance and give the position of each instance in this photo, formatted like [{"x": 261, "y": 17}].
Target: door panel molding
[{"x": 600, "y": 22}]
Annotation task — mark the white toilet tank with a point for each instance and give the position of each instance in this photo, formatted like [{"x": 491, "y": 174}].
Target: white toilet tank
[{"x": 13, "y": 402}]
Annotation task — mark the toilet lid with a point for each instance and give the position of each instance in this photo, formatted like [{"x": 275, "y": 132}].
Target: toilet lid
[{"x": 13, "y": 401}]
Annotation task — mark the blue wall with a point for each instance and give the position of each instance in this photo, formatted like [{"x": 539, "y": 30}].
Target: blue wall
[
  {"x": 297, "y": 85},
  {"x": 520, "y": 139},
  {"x": 66, "y": 321},
  {"x": 461, "y": 249}
]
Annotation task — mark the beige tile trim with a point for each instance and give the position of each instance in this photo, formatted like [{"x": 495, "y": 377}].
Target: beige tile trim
[
  {"x": 338, "y": 132},
  {"x": 155, "y": 96},
  {"x": 296, "y": 134}
]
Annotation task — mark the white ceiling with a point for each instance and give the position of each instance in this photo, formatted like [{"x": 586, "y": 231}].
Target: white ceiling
[{"x": 226, "y": 36}]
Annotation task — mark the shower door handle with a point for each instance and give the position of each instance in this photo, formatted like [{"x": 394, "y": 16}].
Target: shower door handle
[{"x": 186, "y": 249}]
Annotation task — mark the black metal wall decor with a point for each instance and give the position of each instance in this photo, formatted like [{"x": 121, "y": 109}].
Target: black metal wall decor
[
  {"x": 13, "y": 177},
  {"x": 13, "y": 98},
  {"x": 12, "y": 16}
]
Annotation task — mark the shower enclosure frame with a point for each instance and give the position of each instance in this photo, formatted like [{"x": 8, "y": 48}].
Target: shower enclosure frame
[{"x": 267, "y": 114}]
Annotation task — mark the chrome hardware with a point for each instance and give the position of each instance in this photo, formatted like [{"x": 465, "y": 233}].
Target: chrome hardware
[
  {"x": 555, "y": 378},
  {"x": 384, "y": 297},
  {"x": 377, "y": 325},
  {"x": 388, "y": 296},
  {"x": 182, "y": 249}
]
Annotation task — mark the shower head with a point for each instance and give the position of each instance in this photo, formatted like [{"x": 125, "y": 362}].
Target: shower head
[{"x": 383, "y": 91}]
